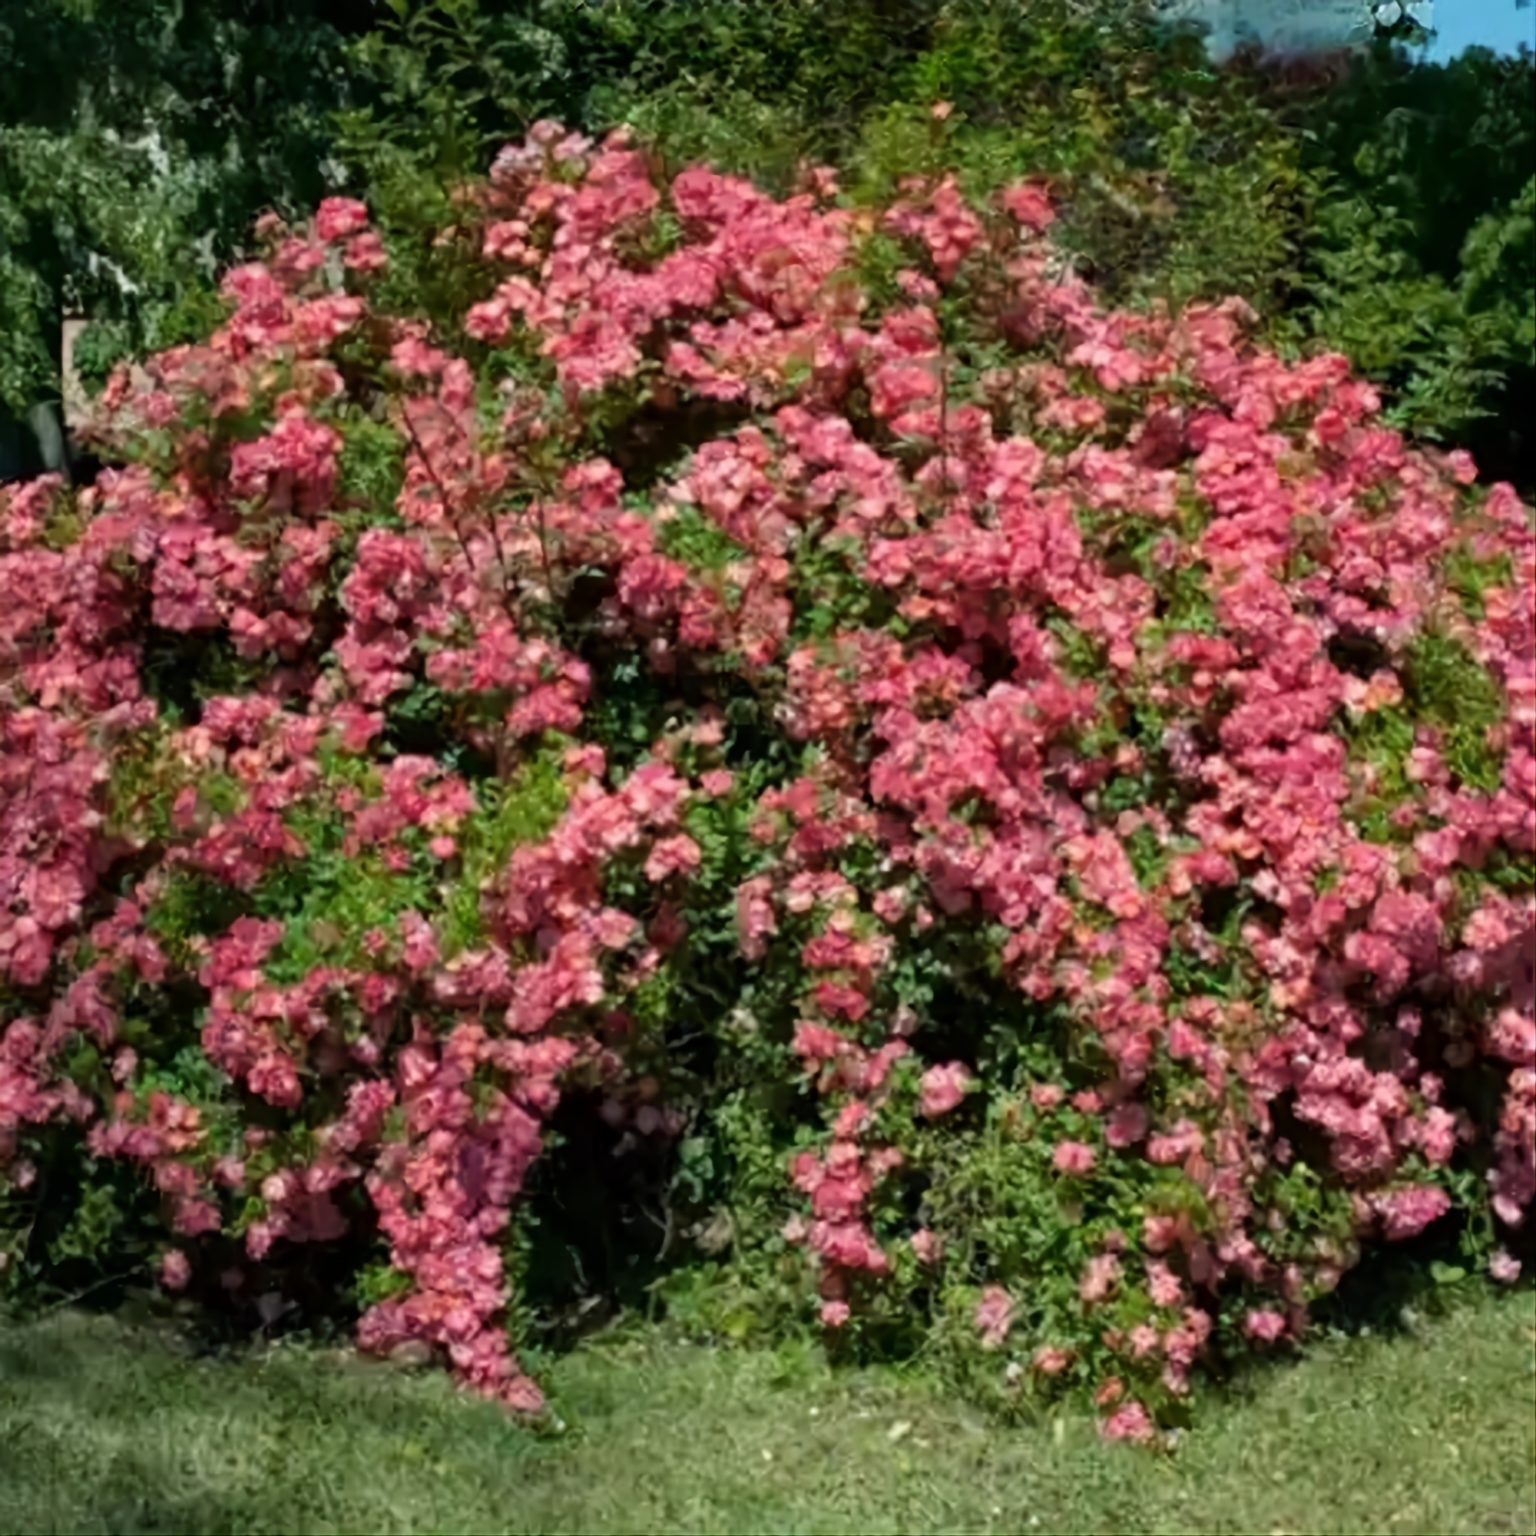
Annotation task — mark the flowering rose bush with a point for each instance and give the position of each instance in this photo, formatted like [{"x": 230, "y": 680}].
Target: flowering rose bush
[{"x": 1031, "y": 808}]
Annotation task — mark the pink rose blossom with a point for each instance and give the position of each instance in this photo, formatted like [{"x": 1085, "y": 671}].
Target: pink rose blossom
[
  {"x": 1406, "y": 1212},
  {"x": 339, "y": 217},
  {"x": 1030, "y": 204},
  {"x": 1052, "y": 1361},
  {"x": 1130, "y": 1422},
  {"x": 1164, "y": 1287},
  {"x": 994, "y": 1316},
  {"x": 926, "y": 1246},
  {"x": 1100, "y": 1278},
  {"x": 1073, "y": 1157},
  {"x": 1264, "y": 1326},
  {"x": 1127, "y": 1125},
  {"x": 943, "y": 1089},
  {"x": 1504, "y": 1267}
]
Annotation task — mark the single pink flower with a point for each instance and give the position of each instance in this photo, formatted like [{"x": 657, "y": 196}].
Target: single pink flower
[
  {"x": 1030, "y": 204},
  {"x": 1127, "y": 1125},
  {"x": 1164, "y": 1286},
  {"x": 1504, "y": 1267},
  {"x": 994, "y": 1316},
  {"x": 1074, "y": 1157},
  {"x": 1129, "y": 1422},
  {"x": 1100, "y": 1278},
  {"x": 338, "y": 217},
  {"x": 1264, "y": 1327},
  {"x": 1052, "y": 1361},
  {"x": 943, "y": 1089},
  {"x": 1406, "y": 1212}
]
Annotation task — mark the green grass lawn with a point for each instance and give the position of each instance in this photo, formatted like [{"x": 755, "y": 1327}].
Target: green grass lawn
[{"x": 108, "y": 1428}]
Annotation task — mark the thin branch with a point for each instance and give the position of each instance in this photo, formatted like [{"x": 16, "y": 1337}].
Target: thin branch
[{"x": 442, "y": 490}]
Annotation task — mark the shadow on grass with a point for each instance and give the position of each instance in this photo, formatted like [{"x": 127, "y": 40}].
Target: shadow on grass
[
  {"x": 126, "y": 1491},
  {"x": 117, "y": 1429},
  {"x": 133, "y": 1430}
]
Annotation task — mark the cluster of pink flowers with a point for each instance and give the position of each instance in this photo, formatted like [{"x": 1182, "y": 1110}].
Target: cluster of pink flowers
[
  {"x": 1089, "y": 656},
  {"x": 443, "y": 1194}
]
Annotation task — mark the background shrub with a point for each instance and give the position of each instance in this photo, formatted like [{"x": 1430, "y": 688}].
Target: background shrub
[{"x": 1421, "y": 263}]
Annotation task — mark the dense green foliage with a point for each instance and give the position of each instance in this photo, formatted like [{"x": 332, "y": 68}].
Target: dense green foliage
[
  {"x": 1422, "y": 264},
  {"x": 137, "y": 141}
]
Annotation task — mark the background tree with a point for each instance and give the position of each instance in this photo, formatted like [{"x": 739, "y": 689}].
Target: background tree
[{"x": 1378, "y": 204}]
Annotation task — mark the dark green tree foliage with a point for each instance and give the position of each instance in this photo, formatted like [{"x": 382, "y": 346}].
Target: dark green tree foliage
[
  {"x": 1422, "y": 261},
  {"x": 1384, "y": 209},
  {"x": 138, "y": 140},
  {"x": 1180, "y": 180}
]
